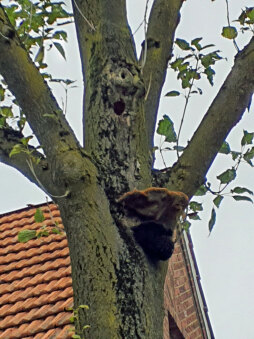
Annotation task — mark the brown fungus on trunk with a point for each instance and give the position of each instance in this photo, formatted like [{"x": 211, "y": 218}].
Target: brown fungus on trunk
[{"x": 159, "y": 210}]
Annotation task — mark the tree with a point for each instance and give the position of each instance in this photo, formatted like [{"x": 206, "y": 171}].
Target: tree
[{"x": 111, "y": 273}]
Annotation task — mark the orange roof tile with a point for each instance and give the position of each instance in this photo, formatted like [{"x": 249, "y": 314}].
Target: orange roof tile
[{"x": 35, "y": 279}]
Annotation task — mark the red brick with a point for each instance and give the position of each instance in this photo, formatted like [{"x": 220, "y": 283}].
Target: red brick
[
  {"x": 192, "y": 327},
  {"x": 196, "y": 334},
  {"x": 191, "y": 310},
  {"x": 178, "y": 281}
]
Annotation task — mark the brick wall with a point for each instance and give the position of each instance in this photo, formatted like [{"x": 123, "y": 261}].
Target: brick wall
[{"x": 182, "y": 314}]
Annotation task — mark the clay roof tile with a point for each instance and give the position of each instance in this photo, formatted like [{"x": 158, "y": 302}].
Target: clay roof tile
[{"x": 35, "y": 278}]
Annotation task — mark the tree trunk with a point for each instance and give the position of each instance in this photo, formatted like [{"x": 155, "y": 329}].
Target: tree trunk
[{"x": 111, "y": 274}]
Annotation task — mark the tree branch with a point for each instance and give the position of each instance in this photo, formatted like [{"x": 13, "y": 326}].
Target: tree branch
[
  {"x": 32, "y": 93},
  {"x": 8, "y": 139},
  {"x": 110, "y": 41},
  {"x": 224, "y": 113},
  {"x": 163, "y": 21}
]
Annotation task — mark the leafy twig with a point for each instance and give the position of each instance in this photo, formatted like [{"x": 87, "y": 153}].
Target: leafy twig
[
  {"x": 234, "y": 41},
  {"x": 185, "y": 108}
]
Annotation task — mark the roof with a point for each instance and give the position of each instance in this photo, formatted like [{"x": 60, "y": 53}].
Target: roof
[{"x": 35, "y": 278}]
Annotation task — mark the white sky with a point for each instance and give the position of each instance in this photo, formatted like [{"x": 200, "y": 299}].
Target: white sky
[{"x": 225, "y": 259}]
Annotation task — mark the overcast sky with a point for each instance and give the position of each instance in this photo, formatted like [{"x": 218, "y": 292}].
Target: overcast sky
[{"x": 225, "y": 258}]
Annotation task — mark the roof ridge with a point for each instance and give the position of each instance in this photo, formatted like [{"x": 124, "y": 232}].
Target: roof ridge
[{"x": 28, "y": 208}]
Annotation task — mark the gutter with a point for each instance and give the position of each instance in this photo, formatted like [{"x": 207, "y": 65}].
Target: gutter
[{"x": 187, "y": 247}]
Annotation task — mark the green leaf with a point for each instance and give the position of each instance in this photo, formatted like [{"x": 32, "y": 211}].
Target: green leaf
[
  {"x": 26, "y": 140},
  {"x": 195, "y": 42},
  {"x": 183, "y": 44},
  {"x": 60, "y": 49},
  {"x": 60, "y": 35},
  {"x": 250, "y": 14},
  {"x": 6, "y": 111},
  {"x": 225, "y": 148},
  {"x": 39, "y": 216},
  {"x": 242, "y": 17},
  {"x": 209, "y": 73},
  {"x": 16, "y": 149},
  {"x": 166, "y": 128},
  {"x": 210, "y": 59},
  {"x": 229, "y": 32},
  {"x": 186, "y": 225},
  {"x": 212, "y": 220},
  {"x": 176, "y": 64},
  {"x": 242, "y": 197},
  {"x": 56, "y": 231},
  {"x": 72, "y": 319},
  {"x": 240, "y": 190},
  {"x": 247, "y": 17},
  {"x": 201, "y": 191},
  {"x": 186, "y": 83},
  {"x": 2, "y": 92},
  {"x": 40, "y": 55},
  {"x": 196, "y": 206},
  {"x": 247, "y": 138},
  {"x": 207, "y": 46},
  {"x": 70, "y": 309},
  {"x": 217, "y": 201},
  {"x": 249, "y": 155},
  {"x": 182, "y": 68},
  {"x": 179, "y": 148},
  {"x": 194, "y": 216},
  {"x": 172, "y": 94},
  {"x": 26, "y": 235},
  {"x": 227, "y": 176},
  {"x": 42, "y": 234},
  {"x": 235, "y": 155}
]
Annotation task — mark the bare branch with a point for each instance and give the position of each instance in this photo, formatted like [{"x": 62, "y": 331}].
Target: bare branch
[
  {"x": 8, "y": 139},
  {"x": 163, "y": 21},
  {"x": 224, "y": 113}
]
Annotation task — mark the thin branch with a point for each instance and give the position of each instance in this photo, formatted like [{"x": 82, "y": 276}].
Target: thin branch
[
  {"x": 184, "y": 110},
  {"x": 90, "y": 24},
  {"x": 224, "y": 113},
  {"x": 228, "y": 19},
  {"x": 8, "y": 139},
  {"x": 162, "y": 24},
  {"x": 143, "y": 60}
]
